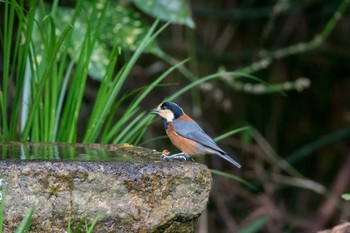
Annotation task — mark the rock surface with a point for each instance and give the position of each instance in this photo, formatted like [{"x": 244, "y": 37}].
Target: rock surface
[{"x": 136, "y": 196}]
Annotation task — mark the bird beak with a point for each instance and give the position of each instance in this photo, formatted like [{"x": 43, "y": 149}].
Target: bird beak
[{"x": 155, "y": 111}]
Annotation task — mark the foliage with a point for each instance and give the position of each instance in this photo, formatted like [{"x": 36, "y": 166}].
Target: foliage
[
  {"x": 168, "y": 10},
  {"x": 255, "y": 226},
  {"x": 55, "y": 50},
  {"x": 346, "y": 196},
  {"x": 2, "y": 204},
  {"x": 25, "y": 223}
]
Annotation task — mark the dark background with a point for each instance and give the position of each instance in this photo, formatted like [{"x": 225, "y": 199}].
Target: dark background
[{"x": 311, "y": 125}]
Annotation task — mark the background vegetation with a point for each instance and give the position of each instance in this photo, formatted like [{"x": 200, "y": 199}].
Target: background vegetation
[{"x": 88, "y": 71}]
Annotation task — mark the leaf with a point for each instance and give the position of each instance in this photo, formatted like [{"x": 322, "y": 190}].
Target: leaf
[
  {"x": 255, "y": 226},
  {"x": 175, "y": 11},
  {"x": 125, "y": 27},
  {"x": 99, "y": 61},
  {"x": 346, "y": 196},
  {"x": 99, "y": 58},
  {"x": 25, "y": 223},
  {"x": 232, "y": 132},
  {"x": 122, "y": 26},
  {"x": 235, "y": 178}
]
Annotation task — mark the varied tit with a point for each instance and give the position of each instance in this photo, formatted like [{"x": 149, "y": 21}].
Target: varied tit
[{"x": 186, "y": 134}]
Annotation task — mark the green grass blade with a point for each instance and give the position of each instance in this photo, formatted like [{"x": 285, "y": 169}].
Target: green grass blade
[
  {"x": 210, "y": 77},
  {"x": 316, "y": 145},
  {"x": 335, "y": 19},
  {"x": 95, "y": 124},
  {"x": 108, "y": 125},
  {"x": 346, "y": 196},
  {"x": 131, "y": 109},
  {"x": 156, "y": 82},
  {"x": 46, "y": 75},
  {"x": 128, "y": 127},
  {"x": 104, "y": 92},
  {"x": 77, "y": 229},
  {"x": 2, "y": 204},
  {"x": 9, "y": 14},
  {"x": 232, "y": 132},
  {"x": 89, "y": 230},
  {"x": 255, "y": 226},
  {"x": 137, "y": 138},
  {"x": 69, "y": 119},
  {"x": 25, "y": 223},
  {"x": 235, "y": 178},
  {"x": 135, "y": 130},
  {"x": 68, "y": 224},
  {"x": 61, "y": 97},
  {"x": 21, "y": 56}
]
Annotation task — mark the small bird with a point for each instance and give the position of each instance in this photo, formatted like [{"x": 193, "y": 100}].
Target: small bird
[{"x": 187, "y": 135}]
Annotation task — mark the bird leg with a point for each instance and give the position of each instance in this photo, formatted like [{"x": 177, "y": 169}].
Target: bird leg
[{"x": 182, "y": 156}]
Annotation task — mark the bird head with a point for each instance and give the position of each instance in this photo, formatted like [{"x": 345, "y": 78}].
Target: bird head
[{"x": 168, "y": 111}]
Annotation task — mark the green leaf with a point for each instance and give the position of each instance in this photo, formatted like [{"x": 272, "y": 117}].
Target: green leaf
[
  {"x": 2, "y": 199},
  {"x": 175, "y": 11},
  {"x": 99, "y": 58},
  {"x": 126, "y": 28},
  {"x": 99, "y": 115},
  {"x": 122, "y": 27},
  {"x": 232, "y": 177},
  {"x": 91, "y": 227},
  {"x": 255, "y": 226},
  {"x": 346, "y": 196},
  {"x": 309, "y": 149},
  {"x": 25, "y": 223},
  {"x": 232, "y": 132},
  {"x": 99, "y": 61}
]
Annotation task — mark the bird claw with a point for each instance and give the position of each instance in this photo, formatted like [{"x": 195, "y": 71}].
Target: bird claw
[{"x": 180, "y": 156}]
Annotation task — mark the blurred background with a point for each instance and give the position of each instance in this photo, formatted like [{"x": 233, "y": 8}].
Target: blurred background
[
  {"x": 297, "y": 154},
  {"x": 290, "y": 97}
]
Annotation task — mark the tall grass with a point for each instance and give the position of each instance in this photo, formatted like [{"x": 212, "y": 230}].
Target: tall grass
[
  {"x": 49, "y": 85},
  {"x": 50, "y": 82},
  {"x": 25, "y": 223},
  {"x": 2, "y": 204}
]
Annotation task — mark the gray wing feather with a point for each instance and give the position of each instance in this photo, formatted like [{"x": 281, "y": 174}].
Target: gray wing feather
[{"x": 193, "y": 131}]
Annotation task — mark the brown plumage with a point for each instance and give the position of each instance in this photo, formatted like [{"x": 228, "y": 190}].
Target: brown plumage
[{"x": 187, "y": 135}]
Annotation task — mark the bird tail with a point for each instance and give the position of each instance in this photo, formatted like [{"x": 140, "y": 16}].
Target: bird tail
[{"x": 228, "y": 158}]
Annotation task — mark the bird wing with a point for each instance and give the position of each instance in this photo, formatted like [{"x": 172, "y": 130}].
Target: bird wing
[{"x": 193, "y": 131}]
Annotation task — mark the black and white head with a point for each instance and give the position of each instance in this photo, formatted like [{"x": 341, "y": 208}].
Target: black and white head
[{"x": 168, "y": 111}]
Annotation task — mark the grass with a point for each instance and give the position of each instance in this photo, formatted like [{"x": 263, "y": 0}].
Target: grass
[
  {"x": 235, "y": 178},
  {"x": 346, "y": 196},
  {"x": 2, "y": 204},
  {"x": 25, "y": 223},
  {"x": 42, "y": 71},
  {"x": 255, "y": 226},
  {"x": 50, "y": 84}
]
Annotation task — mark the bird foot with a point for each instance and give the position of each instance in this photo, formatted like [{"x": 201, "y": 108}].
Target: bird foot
[{"x": 180, "y": 156}]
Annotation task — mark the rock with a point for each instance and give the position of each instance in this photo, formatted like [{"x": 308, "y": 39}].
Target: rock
[
  {"x": 342, "y": 228},
  {"x": 144, "y": 194}
]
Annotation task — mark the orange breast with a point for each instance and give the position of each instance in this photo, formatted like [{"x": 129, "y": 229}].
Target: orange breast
[{"x": 187, "y": 146}]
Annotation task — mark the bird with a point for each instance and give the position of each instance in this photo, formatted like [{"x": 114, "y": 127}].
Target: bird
[{"x": 187, "y": 135}]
